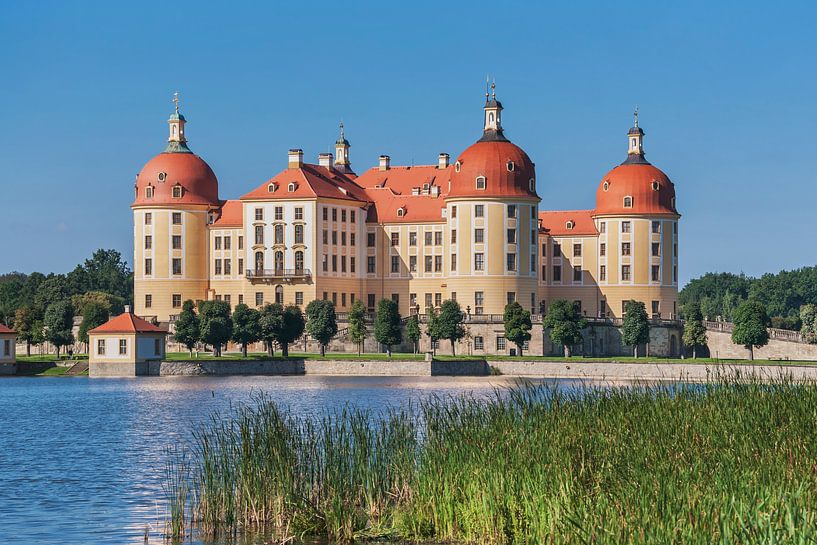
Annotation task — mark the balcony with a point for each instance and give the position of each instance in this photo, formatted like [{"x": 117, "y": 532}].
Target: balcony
[{"x": 276, "y": 274}]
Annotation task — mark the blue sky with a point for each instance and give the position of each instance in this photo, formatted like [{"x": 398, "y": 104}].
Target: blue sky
[{"x": 727, "y": 93}]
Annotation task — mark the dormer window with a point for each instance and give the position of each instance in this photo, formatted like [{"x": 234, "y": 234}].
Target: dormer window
[
  {"x": 457, "y": 166},
  {"x": 149, "y": 192},
  {"x": 272, "y": 188},
  {"x": 628, "y": 202},
  {"x": 673, "y": 202},
  {"x": 655, "y": 185},
  {"x": 401, "y": 212},
  {"x": 177, "y": 191},
  {"x": 481, "y": 183},
  {"x": 532, "y": 185},
  {"x": 292, "y": 187},
  {"x": 569, "y": 225},
  {"x": 426, "y": 187},
  {"x": 510, "y": 166},
  {"x": 162, "y": 177},
  {"x": 606, "y": 186}
]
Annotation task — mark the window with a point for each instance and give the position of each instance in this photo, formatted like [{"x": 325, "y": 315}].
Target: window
[
  {"x": 370, "y": 240},
  {"x": 557, "y": 273},
  {"x": 656, "y": 249},
  {"x": 343, "y": 215},
  {"x": 606, "y": 186},
  {"x": 675, "y": 228},
  {"x": 325, "y": 295},
  {"x": 656, "y": 273},
  {"x": 343, "y": 238},
  {"x": 532, "y": 185},
  {"x": 453, "y": 211},
  {"x": 479, "y": 343},
  {"x": 500, "y": 343},
  {"x": 217, "y": 243},
  {"x": 603, "y": 249},
  {"x": 479, "y": 262},
  {"x": 299, "y": 234},
  {"x": 218, "y": 266},
  {"x": 299, "y": 214},
  {"x": 603, "y": 227},
  {"x": 625, "y": 226},
  {"x": 511, "y": 236},
  {"x": 176, "y": 300},
  {"x": 227, "y": 299},
  {"x": 675, "y": 250},
  {"x": 533, "y": 262},
  {"x": 395, "y": 264},
  {"x": 240, "y": 265},
  {"x": 352, "y": 219},
  {"x": 511, "y": 210},
  {"x": 227, "y": 243},
  {"x": 428, "y": 236},
  {"x": 279, "y": 294},
  {"x": 401, "y": 212},
  {"x": 438, "y": 263},
  {"x": 395, "y": 239},
  {"x": 278, "y": 234},
  {"x": 481, "y": 182},
  {"x": 655, "y": 186},
  {"x": 453, "y": 236},
  {"x": 148, "y": 266},
  {"x": 438, "y": 238},
  {"x": 325, "y": 236},
  {"x": 453, "y": 262},
  {"x": 259, "y": 262},
  {"x": 511, "y": 261},
  {"x": 479, "y": 298},
  {"x": 177, "y": 265},
  {"x": 271, "y": 188},
  {"x": 412, "y": 263},
  {"x": 325, "y": 263},
  {"x": 177, "y": 218},
  {"x": 177, "y": 192},
  {"x": 334, "y": 214},
  {"x": 334, "y": 263},
  {"x": 544, "y": 250},
  {"x": 510, "y": 297},
  {"x": 370, "y": 301},
  {"x": 157, "y": 347},
  {"x": 655, "y": 307},
  {"x": 343, "y": 295},
  {"x": 259, "y": 234},
  {"x": 628, "y": 202},
  {"x": 557, "y": 249},
  {"x": 412, "y": 238},
  {"x": 299, "y": 298},
  {"x": 148, "y": 218},
  {"x": 453, "y": 295},
  {"x": 228, "y": 266},
  {"x": 100, "y": 347},
  {"x": 325, "y": 214},
  {"x": 351, "y": 239},
  {"x": 428, "y": 263},
  {"x": 299, "y": 261},
  {"x": 675, "y": 273},
  {"x": 625, "y": 273},
  {"x": 577, "y": 250},
  {"x": 396, "y": 298},
  {"x": 240, "y": 243},
  {"x": 438, "y": 299},
  {"x": 259, "y": 214},
  {"x": 544, "y": 273},
  {"x": 625, "y": 248},
  {"x": 656, "y": 227},
  {"x": 509, "y": 165},
  {"x": 240, "y": 298},
  {"x": 176, "y": 242},
  {"x": 259, "y": 298},
  {"x": 148, "y": 242},
  {"x": 577, "y": 275},
  {"x": 148, "y": 300},
  {"x": 479, "y": 210},
  {"x": 569, "y": 225},
  {"x": 457, "y": 166},
  {"x": 479, "y": 236},
  {"x": 603, "y": 272},
  {"x": 370, "y": 264},
  {"x": 149, "y": 192}
]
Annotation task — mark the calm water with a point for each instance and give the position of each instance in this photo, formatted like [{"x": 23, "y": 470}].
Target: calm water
[{"x": 81, "y": 460}]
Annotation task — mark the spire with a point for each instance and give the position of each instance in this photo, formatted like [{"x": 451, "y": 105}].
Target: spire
[
  {"x": 176, "y": 141},
  {"x": 635, "y": 139},
  {"x": 342, "y": 162},
  {"x": 492, "y": 126}
]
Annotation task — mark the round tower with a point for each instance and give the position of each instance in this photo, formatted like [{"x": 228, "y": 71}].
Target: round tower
[
  {"x": 638, "y": 234},
  {"x": 175, "y": 194},
  {"x": 492, "y": 205}
]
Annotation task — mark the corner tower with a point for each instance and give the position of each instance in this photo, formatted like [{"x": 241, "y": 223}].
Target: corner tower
[{"x": 175, "y": 193}]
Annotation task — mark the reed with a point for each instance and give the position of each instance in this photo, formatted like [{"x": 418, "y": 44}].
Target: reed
[{"x": 729, "y": 462}]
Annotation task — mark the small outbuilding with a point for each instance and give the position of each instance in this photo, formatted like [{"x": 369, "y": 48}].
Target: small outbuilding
[
  {"x": 8, "y": 350},
  {"x": 125, "y": 346}
]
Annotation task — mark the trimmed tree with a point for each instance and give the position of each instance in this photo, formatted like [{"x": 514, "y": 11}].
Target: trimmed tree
[
  {"x": 187, "y": 329},
  {"x": 635, "y": 329},
  {"x": 357, "y": 324},
  {"x": 750, "y": 330},
  {"x": 517, "y": 324},
  {"x": 694, "y": 330},
  {"x": 215, "y": 324},
  {"x": 24, "y": 320},
  {"x": 94, "y": 314},
  {"x": 271, "y": 322},
  {"x": 246, "y": 326},
  {"x": 58, "y": 322},
  {"x": 565, "y": 324},
  {"x": 292, "y": 327},
  {"x": 449, "y": 323},
  {"x": 387, "y": 324},
  {"x": 321, "y": 322},
  {"x": 413, "y": 330}
]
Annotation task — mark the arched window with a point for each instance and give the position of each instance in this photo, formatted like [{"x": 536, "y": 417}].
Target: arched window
[
  {"x": 279, "y": 234},
  {"x": 149, "y": 192},
  {"x": 606, "y": 186},
  {"x": 177, "y": 191},
  {"x": 401, "y": 212},
  {"x": 299, "y": 262},
  {"x": 570, "y": 225},
  {"x": 457, "y": 166},
  {"x": 491, "y": 117},
  {"x": 673, "y": 202},
  {"x": 272, "y": 187},
  {"x": 279, "y": 262},
  {"x": 531, "y": 185},
  {"x": 628, "y": 202},
  {"x": 481, "y": 182},
  {"x": 259, "y": 262},
  {"x": 292, "y": 187},
  {"x": 279, "y": 294}
]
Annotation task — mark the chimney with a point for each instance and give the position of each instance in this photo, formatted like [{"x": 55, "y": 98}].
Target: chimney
[
  {"x": 385, "y": 160},
  {"x": 296, "y": 158},
  {"x": 127, "y": 309},
  {"x": 443, "y": 161},
  {"x": 325, "y": 160}
]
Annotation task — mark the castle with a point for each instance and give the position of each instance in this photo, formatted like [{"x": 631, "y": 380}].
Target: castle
[{"x": 469, "y": 230}]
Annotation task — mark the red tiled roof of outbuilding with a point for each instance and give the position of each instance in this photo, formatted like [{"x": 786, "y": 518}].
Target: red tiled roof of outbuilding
[
  {"x": 127, "y": 323},
  {"x": 4, "y": 329}
]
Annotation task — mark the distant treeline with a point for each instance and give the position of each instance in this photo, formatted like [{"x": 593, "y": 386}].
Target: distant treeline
[{"x": 783, "y": 294}]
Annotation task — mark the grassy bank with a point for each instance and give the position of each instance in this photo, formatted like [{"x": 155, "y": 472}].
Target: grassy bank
[{"x": 731, "y": 463}]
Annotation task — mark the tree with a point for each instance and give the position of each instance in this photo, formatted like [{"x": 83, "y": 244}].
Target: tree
[
  {"x": 808, "y": 317},
  {"x": 565, "y": 323},
  {"x": 113, "y": 304},
  {"x": 750, "y": 326},
  {"x": 246, "y": 326},
  {"x": 517, "y": 324},
  {"x": 105, "y": 271},
  {"x": 292, "y": 327},
  {"x": 59, "y": 322},
  {"x": 636, "y": 327},
  {"x": 387, "y": 324},
  {"x": 271, "y": 321},
  {"x": 449, "y": 323},
  {"x": 53, "y": 289},
  {"x": 215, "y": 324},
  {"x": 321, "y": 322},
  {"x": 432, "y": 328},
  {"x": 413, "y": 330},
  {"x": 24, "y": 321},
  {"x": 357, "y": 324},
  {"x": 188, "y": 330},
  {"x": 694, "y": 330},
  {"x": 93, "y": 315}
]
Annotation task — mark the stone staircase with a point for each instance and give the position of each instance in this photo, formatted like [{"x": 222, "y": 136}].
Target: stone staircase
[{"x": 78, "y": 368}]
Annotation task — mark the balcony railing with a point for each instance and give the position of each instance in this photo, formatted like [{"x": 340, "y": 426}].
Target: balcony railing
[{"x": 278, "y": 273}]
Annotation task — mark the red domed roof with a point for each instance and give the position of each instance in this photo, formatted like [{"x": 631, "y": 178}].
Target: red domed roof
[
  {"x": 650, "y": 189},
  {"x": 507, "y": 169},
  {"x": 197, "y": 180}
]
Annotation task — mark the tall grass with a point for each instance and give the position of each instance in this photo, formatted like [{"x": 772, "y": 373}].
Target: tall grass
[{"x": 731, "y": 462}]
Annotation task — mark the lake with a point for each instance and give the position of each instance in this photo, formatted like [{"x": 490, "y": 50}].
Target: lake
[{"x": 82, "y": 460}]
